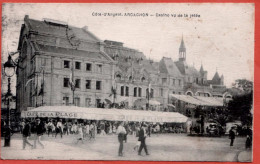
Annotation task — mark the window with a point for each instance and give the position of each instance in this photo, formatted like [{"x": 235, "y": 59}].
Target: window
[
  {"x": 164, "y": 80},
  {"x": 66, "y": 100},
  {"x": 173, "y": 81},
  {"x": 161, "y": 91},
  {"x": 87, "y": 102},
  {"x": 140, "y": 92},
  {"x": 127, "y": 91},
  {"x": 179, "y": 82},
  {"x": 151, "y": 93},
  {"x": 130, "y": 78},
  {"x": 98, "y": 103},
  {"x": 179, "y": 93},
  {"x": 77, "y": 83},
  {"x": 118, "y": 77},
  {"x": 99, "y": 68},
  {"x": 88, "y": 67},
  {"x": 77, "y": 101},
  {"x": 122, "y": 90},
  {"x": 173, "y": 92},
  {"x": 135, "y": 92},
  {"x": 66, "y": 82},
  {"x": 77, "y": 65},
  {"x": 88, "y": 84},
  {"x": 98, "y": 85},
  {"x": 43, "y": 60},
  {"x": 66, "y": 64},
  {"x": 143, "y": 79}
]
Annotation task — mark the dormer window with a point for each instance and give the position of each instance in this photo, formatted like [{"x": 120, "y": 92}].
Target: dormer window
[{"x": 118, "y": 77}]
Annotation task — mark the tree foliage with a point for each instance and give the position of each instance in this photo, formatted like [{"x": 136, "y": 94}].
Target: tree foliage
[{"x": 240, "y": 107}]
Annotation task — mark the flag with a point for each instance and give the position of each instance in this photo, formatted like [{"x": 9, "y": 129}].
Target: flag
[{"x": 71, "y": 79}]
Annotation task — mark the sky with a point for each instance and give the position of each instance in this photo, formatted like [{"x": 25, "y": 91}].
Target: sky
[{"x": 221, "y": 38}]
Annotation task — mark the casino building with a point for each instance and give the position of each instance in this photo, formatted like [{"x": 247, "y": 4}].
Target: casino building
[{"x": 65, "y": 65}]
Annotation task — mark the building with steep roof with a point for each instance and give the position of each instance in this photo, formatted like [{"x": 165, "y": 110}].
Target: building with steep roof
[{"x": 64, "y": 65}]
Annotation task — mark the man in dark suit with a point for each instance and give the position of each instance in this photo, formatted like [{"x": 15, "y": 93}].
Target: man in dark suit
[
  {"x": 231, "y": 136},
  {"x": 142, "y": 137},
  {"x": 26, "y": 133}
]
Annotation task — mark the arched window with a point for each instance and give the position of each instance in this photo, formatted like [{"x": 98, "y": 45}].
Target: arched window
[
  {"x": 122, "y": 90},
  {"x": 143, "y": 79},
  {"x": 139, "y": 92},
  {"x": 130, "y": 78},
  {"x": 118, "y": 77},
  {"x": 127, "y": 91},
  {"x": 135, "y": 91},
  {"x": 189, "y": 93}
]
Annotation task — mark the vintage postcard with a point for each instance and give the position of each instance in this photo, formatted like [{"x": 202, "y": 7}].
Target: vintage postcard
[{"x": 135, "y": 82}]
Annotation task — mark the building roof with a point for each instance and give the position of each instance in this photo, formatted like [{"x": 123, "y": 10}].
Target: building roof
[
  {"x": 185, "y": 69},
  {"x": 168, "y": 66},
  {"x": 61, "y": 29}
]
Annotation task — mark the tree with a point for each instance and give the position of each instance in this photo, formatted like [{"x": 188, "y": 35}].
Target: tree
[{"x": 240, "y": 107}]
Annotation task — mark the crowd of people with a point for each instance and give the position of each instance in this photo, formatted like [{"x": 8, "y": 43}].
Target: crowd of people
[{"x": 86, "y": 131}]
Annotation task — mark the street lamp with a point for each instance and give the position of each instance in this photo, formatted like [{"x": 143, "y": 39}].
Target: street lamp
[{"x": 9, "y": 70}]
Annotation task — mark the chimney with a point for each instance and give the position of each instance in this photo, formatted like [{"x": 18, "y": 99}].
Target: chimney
[
  {"x": 26, "y": 17},
  {"x": 85, "y": 28}
]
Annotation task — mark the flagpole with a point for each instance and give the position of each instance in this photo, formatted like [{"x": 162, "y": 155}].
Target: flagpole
[
  {"x": 73, "y": 87},
  {"x": 36, "y": 89},
  {"x": 42, "y": 85}
]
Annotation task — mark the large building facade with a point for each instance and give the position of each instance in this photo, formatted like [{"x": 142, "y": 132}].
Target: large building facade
[{"x": 55, "y": 56}]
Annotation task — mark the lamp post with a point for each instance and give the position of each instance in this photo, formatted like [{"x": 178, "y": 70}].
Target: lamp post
[{"x": 9, "y": 70}]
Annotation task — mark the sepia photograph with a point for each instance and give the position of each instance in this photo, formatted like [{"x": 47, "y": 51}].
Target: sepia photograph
[{"x": 127, "y": 81}]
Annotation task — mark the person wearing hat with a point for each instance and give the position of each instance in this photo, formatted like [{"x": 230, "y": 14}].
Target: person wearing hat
[
  {"x": 142, "y": 137},
  {"x": 231, "y": 136},
  {"x": 26, "y": 133},
  {"x": 121, "y": 135},
  {"x": 39, "y": 132}
]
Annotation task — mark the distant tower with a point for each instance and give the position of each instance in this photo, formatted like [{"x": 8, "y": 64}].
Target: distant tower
[{"x": 182, "y": 51}]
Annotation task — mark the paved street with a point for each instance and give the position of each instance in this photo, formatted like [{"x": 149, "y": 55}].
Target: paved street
[{"x": 166, "y": 147}]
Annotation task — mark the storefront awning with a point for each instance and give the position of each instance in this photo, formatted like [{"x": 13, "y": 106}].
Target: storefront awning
[
  {"x": 199, "y": 100},
  {"x": 73, "y": 112},
  {"x": 212, "y": 101}
]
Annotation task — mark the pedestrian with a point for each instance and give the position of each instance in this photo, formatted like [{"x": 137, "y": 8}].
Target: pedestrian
[
  {"x": 66, "y": 128},
  {"x": 142, "y": 137},
  {"x": 102, "y": 128},
  {"x": 26, "y": 133},
  {"x": 22, "y": 125},
  {"x": 87, "y": 130},
  {"x": 49, "y": 128},
  {"x": 59, "y": 128},
  {"x": 149, "y": 130},
  {"x": 80, "y": 133},
  {"x": 138, "y": 143},
  {"x": 231, "y": 136},
  {"x": 92, "y": 129},
  {"x": 39, "y": 132},
  {"x": 121, "y": 135}
]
